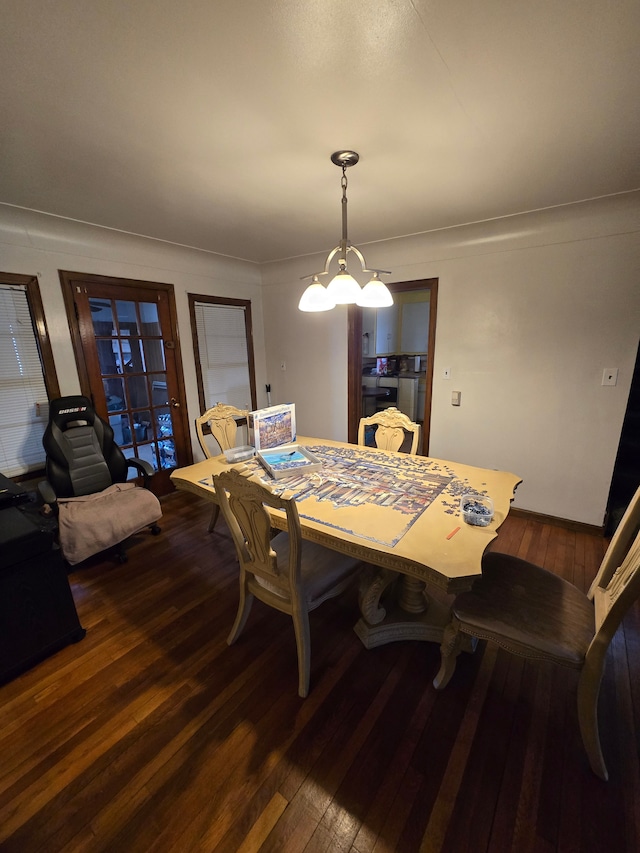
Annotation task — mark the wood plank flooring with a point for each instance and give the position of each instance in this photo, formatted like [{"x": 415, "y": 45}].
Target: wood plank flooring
[{"x": 151, "y": 734}]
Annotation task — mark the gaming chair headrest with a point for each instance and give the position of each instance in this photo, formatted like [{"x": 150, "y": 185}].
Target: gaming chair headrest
[{"x": 70, "y": 411}]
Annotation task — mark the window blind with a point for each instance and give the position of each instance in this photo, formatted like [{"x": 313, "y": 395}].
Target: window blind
[
  {"x": 224, "y": 360},
  {"x": 21, "y": 386}
]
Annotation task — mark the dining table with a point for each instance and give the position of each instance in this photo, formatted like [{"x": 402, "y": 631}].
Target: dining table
[{"x": 399, "y": 514}]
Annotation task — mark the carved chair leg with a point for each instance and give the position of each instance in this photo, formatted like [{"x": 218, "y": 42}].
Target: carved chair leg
[
  {"x": 244, "y": 609},
  {"x": 449, "y": 651},
  {"x": 303, "y": 644},
  {"x": 215, "y": 512},
  {"x": 588, "y": 692}
]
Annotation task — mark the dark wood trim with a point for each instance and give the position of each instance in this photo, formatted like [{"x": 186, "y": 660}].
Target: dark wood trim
[
  {"x": 40, "y": 330},
  {"x": 42, "y": 338},
  {"x": 74, "y": 330},
  {"x": 428, "y": 390},
  {"x": 70, "y": 281},
  {"x": 222, "y": 300},
  {"x": 17, "y": 278},
  {"x": 566, "y": 523},
  {"x": 354, "y": 371},
  {"x": 354, "y": 355},
  {"x": 196, "y": 351}
]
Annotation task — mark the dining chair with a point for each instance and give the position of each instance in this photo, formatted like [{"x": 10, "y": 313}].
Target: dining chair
[
  {"x": 222, "y": 421},
  {"x": 392, "y": 425},
  {"x": 533, "y": 613},
  {"x": 282, "y": 571}
]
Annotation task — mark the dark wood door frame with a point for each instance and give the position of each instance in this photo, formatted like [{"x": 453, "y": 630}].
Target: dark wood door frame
[
  {"x": 245, "y": 304},
  {"x": 70, "y": 281},
  {"x": 354, "y": 350}
]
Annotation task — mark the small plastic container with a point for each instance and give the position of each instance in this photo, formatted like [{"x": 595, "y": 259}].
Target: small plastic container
[
  {"x": 239, "y": 454},
  {"x": 477, "y": 510}
]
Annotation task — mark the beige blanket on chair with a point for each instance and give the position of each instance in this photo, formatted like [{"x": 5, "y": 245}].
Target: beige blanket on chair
[{"x": 91, "y": 523}]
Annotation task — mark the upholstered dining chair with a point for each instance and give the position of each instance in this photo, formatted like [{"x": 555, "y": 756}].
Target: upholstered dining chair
[
  {"x": 534, "y": 613},
  {"x": 282, "y": 571},
  {"x": 222, "y": 421},
  {"x": 392, "y": 425}
]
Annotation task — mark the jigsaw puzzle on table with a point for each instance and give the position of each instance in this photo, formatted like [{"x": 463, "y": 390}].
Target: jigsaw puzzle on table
[{"x": 379, "y": 497}]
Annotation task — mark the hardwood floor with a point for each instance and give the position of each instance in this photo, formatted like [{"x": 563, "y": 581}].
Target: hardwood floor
[{"x": 152, "y": 735}]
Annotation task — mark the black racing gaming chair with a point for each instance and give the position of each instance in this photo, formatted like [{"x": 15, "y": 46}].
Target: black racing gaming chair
[{"x": 87, "y": 482}]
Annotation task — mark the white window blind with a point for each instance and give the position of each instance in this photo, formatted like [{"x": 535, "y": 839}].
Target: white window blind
[
  {"x": 21, "y": 386},
  {"x": 224, "y": 360}
]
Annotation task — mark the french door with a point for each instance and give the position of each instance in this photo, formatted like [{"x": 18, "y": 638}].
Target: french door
[{"x": 129, "y": 364}]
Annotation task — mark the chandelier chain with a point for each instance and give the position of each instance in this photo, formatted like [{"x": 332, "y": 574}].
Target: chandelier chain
[{"x": 344, "y": 241}]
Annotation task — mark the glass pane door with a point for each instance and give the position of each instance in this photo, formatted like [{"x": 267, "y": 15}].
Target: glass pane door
[{"x": 134, "y": 378}]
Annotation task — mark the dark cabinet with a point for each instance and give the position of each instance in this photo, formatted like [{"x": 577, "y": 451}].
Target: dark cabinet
[{"x": 37, "y": 611}]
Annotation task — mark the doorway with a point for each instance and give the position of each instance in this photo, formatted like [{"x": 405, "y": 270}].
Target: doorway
[
  {"x": 626, "y": 470},
  {"x": 365, "y": 351},
  {"x": 126, "y": 346}
]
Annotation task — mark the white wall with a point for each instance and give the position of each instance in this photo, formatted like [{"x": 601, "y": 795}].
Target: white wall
[
  {"x": 32, "y": 243},
  {"x": 531, "y": 309}
]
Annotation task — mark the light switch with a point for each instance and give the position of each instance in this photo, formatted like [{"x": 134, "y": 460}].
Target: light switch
[
  {"x": 455, "y": 398},
  {"x": 610, "y": 376}
]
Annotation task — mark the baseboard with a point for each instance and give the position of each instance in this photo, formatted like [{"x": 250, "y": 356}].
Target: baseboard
[{"x": 578, "y": 526}]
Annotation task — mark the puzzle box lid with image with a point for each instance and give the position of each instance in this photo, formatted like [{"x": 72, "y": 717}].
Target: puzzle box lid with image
[{"x": 272, "y": 426}]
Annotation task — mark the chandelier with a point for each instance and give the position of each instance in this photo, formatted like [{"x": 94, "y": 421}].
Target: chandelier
[{"x": 343, "y": 289}]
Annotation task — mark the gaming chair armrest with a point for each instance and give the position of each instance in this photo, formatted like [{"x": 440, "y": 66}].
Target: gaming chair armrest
[
  {"x": 45, "y": 490},
  {"x": 145, "y": 468}
]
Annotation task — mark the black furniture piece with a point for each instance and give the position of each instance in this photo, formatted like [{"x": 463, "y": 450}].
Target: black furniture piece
[
  {"x": 37, "y": 612},
  {"x": 11, "y": 494}
]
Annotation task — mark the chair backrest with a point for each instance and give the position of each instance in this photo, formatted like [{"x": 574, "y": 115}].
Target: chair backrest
[
  {"x": 243, "y": 501},
  {"x": 82, "y": 456},
  {"x": 222, "y": 421},
  {"x": 617, "y": 584},
  {"x": 619, "y": 545},
  {"x": 390, "y": 434}
]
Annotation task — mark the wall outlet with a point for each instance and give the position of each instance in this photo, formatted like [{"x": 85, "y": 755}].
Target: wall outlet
[{"x": 610, "y": 376}]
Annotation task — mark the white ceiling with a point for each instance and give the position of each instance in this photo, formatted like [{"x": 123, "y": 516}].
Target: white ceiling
[{"x": 211, "y": 122}]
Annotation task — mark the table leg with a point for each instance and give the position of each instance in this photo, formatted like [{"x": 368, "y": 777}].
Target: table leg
[{"x": 408, "y": 611}]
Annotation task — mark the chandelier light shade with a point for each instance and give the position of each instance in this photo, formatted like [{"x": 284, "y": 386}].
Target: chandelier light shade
[
  {"x": 375, "y": 294},
  {"x": 343, "y": 289},
  {"x": 316, "y": 298}
]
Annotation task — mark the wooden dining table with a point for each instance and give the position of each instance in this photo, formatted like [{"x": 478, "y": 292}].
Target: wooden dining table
[{"x": 399, "y": 514}]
